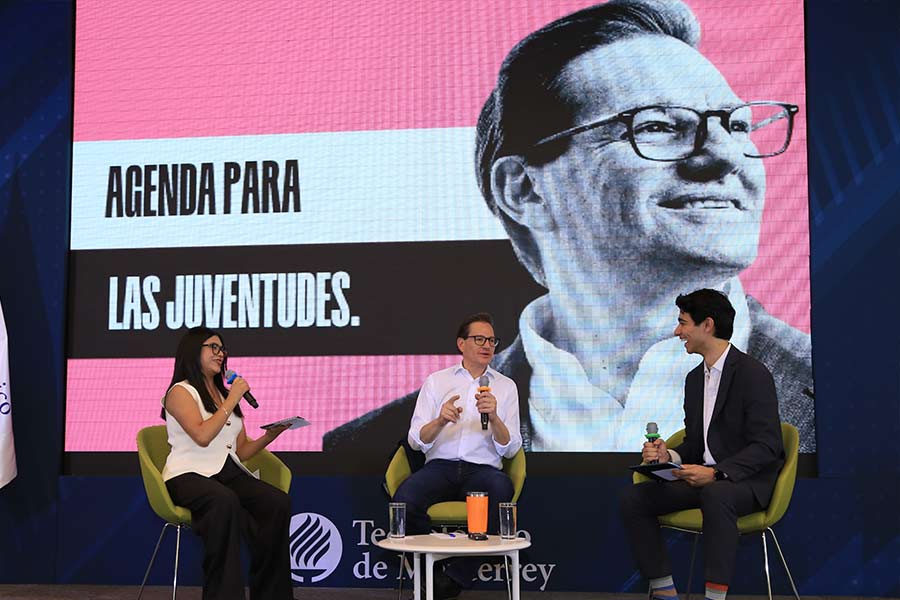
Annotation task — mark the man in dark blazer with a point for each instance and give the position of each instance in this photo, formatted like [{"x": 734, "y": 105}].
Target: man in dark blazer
[{"x": 730, "y": 457}]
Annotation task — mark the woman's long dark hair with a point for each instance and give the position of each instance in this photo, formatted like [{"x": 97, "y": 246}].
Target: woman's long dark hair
[{"x": 187, "y": 367}]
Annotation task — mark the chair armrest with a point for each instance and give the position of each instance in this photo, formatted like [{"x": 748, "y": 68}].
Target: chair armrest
[
  {"x": 784, "y": 485},
  {"x": 158, "y": 494},
  {"x": 271, "y": 469},
  {"x": 397, "y": 472},
  {"x": 638, "y": 477},
  {"x": 515, "y": 468}
]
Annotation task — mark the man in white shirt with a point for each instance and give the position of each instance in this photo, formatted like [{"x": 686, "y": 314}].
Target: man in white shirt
[
  {"x": 462, "y": 453},
  {"x": 730, "y": 457}
]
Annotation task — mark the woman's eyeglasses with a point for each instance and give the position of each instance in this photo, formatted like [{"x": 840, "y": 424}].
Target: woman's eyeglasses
[{"x": 216, "y": 349}]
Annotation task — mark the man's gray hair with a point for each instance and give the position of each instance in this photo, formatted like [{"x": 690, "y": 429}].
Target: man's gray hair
[{"x": 527, "y": 103}]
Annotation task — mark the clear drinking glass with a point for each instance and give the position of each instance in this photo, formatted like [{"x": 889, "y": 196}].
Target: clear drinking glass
[
  {"x": 397, "y": 515},
  {"x": 508, "y": 520}
]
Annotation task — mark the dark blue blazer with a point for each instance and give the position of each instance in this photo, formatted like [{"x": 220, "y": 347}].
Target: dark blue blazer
[{"x": 745, "y": 431}]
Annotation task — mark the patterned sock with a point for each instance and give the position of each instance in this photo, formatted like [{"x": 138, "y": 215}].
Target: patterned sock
[
  {"x": 716, "y": 591},
  {"x": 663, "y": 588}
]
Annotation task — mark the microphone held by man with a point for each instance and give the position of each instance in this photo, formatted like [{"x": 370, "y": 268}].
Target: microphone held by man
[
  {"x": 484, "y": 385},
  {"x": 652, "y": 438}
]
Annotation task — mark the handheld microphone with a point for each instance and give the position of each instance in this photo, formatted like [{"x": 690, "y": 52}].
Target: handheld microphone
[
  {"x": 652, "y": 436},
  {"x": 231, "y": 376},
  {"x": 484, "y": 385}
]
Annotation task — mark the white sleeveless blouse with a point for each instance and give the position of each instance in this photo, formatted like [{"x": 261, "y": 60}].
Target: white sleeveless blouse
[{"x": 189, "y": 457}]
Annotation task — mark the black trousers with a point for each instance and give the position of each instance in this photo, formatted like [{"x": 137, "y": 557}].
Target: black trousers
[
  {"x": 226, "y": 507},
  {"x": 721, "y": 503}
]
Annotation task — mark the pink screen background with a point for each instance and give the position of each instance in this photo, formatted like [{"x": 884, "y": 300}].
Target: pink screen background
[
  {"x": 326, "y": 390},
  {"x": 150, "y": 70}
]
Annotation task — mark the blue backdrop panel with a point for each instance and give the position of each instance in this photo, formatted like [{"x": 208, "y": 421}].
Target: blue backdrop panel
[
  {"x": 35, "y": 140},
  {"x": 854, "y": 132},
  {"x": 837, "y": 535}
]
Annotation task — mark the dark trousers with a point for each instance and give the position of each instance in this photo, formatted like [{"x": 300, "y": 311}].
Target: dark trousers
[
  {"x": 225, "y": 507},
  {"x": 446, "y": 480},
  {"x": 721, "y": 503}
]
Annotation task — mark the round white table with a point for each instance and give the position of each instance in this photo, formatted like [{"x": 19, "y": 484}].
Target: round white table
[{"x": 437, "y": 546}]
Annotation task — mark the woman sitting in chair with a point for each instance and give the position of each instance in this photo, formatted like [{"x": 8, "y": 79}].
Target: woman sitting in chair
[{"x": 204, "y": 474}]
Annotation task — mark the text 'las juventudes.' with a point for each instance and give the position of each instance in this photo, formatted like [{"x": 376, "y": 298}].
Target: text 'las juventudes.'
[{"x": 231, "y": 301}]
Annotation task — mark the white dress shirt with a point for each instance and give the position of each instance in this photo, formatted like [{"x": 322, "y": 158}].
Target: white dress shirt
[
  {"x": 712, "y": 377},
  {"x": 465, "y": 440}
]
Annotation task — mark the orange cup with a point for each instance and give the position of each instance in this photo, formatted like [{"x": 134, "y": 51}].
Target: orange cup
[{"x": 477, "y": 511}]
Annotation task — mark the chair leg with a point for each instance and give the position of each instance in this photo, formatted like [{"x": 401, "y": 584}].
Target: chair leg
[
  {"x": 691, "y": 568},
  {"x": 152, "y": 559},
  {"x": 766, "y": 563},
  {"x": 177, "y": 552},
  {"x": 783, "y": 561}
]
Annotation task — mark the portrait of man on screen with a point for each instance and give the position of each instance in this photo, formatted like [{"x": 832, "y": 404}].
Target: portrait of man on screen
[{"x": 625, "y": 170}]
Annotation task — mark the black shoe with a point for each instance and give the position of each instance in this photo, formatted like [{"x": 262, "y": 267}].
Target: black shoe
[{"x": 445, "y": 587}]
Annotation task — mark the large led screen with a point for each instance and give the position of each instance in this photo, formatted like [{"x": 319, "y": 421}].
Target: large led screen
[{"x": 311, "y": 180}]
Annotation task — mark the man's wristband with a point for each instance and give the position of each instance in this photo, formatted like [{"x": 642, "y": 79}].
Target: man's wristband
[{"x": 719, "y": 475}]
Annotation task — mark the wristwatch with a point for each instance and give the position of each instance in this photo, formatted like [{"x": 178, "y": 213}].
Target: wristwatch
[{"x": 719, "y": 475}]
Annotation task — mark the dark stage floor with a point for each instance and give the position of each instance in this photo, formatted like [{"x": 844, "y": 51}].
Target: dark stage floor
[{"x": 107, "y": 592}]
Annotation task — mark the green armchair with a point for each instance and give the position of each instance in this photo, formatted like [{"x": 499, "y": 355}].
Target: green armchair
[
  {"x": 153, "y": 449},
  {"x": 451, "y": 514},
  {"x": 691, "y": 520}
]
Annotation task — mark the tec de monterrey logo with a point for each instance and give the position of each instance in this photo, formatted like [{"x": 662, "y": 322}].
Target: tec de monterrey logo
[{"x": 315, "y": 547}]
